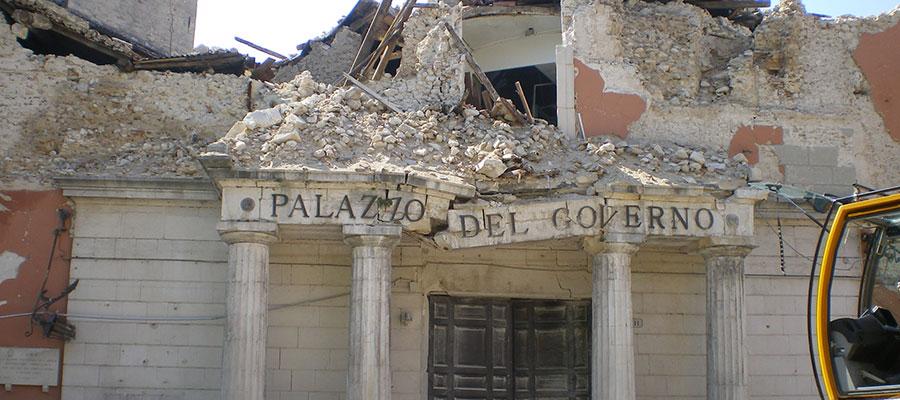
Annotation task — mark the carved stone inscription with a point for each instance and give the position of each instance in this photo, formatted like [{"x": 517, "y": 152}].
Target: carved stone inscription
[
  {"x": 587, "y": 217},
  {"x": 29, "y": 366},
  {"x": 327, "y": 206}
]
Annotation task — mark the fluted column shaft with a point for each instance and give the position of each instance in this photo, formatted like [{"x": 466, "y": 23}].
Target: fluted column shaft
[
  {"x": 726, "y": 369},
  {"x": 244, "y": 352},
  {"x": 370, "y": 293},
  {"x": 612, "y": 345}
]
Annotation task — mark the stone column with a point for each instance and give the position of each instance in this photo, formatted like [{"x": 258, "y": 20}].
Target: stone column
[
  {"x": 612, "y": 342},
  {"x": 246, "y": 300},
  {"x": 370, "y": 294},
  {"x": 726, "y": 369}
]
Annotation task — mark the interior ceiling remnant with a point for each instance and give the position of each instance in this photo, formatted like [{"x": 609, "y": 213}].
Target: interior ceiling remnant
[{"x": 501, "y": 42}]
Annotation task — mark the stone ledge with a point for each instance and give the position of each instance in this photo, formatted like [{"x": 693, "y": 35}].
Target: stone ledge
[{"x": 156, "y": 188}]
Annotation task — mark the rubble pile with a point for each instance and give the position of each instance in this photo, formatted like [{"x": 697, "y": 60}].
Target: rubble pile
[
  {"x": 325, "y": 61},
  {"x": 323, "y": 127}
]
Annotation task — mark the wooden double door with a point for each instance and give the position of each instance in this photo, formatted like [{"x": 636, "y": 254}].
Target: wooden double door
[{"x": 491, "y": 348}]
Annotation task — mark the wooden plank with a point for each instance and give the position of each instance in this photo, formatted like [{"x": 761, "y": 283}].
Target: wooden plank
[
  {"x": 480, "y": 74},
  {"x": 372, "y": 33},
  {"x": 387, "y": 45},
  {"x": 260, "y": 48},
  {"x": 524, "y": 102},
  {"x": 372, "y": 93},
  {"x": 486, "y": 99},
  {"x": 730, "y": 4}
]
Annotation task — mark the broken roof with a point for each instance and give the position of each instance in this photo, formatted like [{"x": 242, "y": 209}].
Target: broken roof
[{"x": 52, "y": 26}]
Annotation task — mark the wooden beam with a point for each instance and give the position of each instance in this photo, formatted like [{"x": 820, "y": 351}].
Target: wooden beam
[
  {"x": 371, "y": 34},
  {"x": 389, "y": 49},
  {"x": 495, "y": 96},
  {"x": 387, "y": 45},
  {"x": 730, "y": 4},
  {"x": 524, "y": 102},
  {"x": 372, "y": 93},
  {"x": 260, "y": 48}
]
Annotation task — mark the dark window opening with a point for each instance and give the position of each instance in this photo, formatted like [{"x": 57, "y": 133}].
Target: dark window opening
[{"x": 538, "y": 84}]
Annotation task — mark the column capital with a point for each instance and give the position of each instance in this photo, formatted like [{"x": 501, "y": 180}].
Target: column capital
[
  {"x": 378, "y": 235},
  {"x": 726, "y": 247},
  {"x": 248, "y": 232},
  {"x": 612, "y": 244}
]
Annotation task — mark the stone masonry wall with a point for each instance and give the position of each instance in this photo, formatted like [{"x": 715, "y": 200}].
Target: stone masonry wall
[
  {"x": 165, "y": 259},
  {"x": 703, "y": 80},
  {"x": 64, "y": 115}
]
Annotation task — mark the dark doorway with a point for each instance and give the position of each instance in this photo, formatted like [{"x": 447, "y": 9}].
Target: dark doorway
[{"x": 489, "y": 348}]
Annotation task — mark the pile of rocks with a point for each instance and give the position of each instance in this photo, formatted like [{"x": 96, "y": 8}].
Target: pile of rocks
[{"x": 319, "y": 126}]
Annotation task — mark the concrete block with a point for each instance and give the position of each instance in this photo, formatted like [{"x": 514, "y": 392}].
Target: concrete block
[
  {"x": 844, "y": 176},
  {"x": 304, "y": 358},
  {"x": 206, "y": 335},
  {"x": 677, "y": 365},
  {"x": 334, "y": 317},
  {"x": 686, "y": 385},
  {"x": 324, "y": 338},
  {"x": 340, "y": 360},
  {"x": 333, "y": 381},
  {"x": 81, "y": 375},
  {"x": 273, "y": 358},
  {"x": 282, "y": 336},
  {"x": 143, "y": 225},
  {"x": 670, "y": 344},
  {"x": 823, "y": 155},
  {"x": 303, "y": 380},
  {"x": 302, "y": 316},
  {"x": 278, "y": 379},
  {"x": 161, "y": 334},
  {"x": 307, "y": 274},
  {"x": 92, "y": 224},
  {"x": 201, "y": 227},
  {"x": 93, "y": 248},
  {"x": 128, "y": 377},
  {"x": 406, "y": 381},
  {"x": 147, "y": 249},
  {"x": 325, "y": 396},
  {"x": 808, "y": 175},
  {"x": 792, "y": 155}
]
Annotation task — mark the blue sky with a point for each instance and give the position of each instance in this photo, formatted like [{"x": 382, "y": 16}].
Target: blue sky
[{"x": 281, "y": 25}]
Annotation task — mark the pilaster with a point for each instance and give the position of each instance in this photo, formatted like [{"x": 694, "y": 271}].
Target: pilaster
[
  {"x": 726, "y": 368},
  {"x": 370, "y": 291},
  {"x": 612, "y": 341},
  {"x": 244, "y": 352}
]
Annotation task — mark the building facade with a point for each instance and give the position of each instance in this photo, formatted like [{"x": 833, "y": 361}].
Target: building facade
[{"x": 323, "y": 246}]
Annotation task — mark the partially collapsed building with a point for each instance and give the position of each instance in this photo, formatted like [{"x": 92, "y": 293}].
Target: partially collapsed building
[{"x": 508, "y": 199}]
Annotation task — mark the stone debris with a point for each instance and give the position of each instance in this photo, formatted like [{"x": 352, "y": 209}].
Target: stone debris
[
  {"x": 96, "y": 120},
  {"x": 262, "y": 118},
  {"x": 319, "y": 126}
]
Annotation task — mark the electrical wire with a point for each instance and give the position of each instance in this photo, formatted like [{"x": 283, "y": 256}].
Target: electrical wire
[{"x": 94, "y": 317}]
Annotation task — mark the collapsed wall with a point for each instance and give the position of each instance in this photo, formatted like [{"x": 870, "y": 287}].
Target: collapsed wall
[
  {"x": 790, "y": 96},
  {"x": 431, "y": 69},
  {"x": 705, "y": 102},
  {"x": 64, "y": 115}
]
